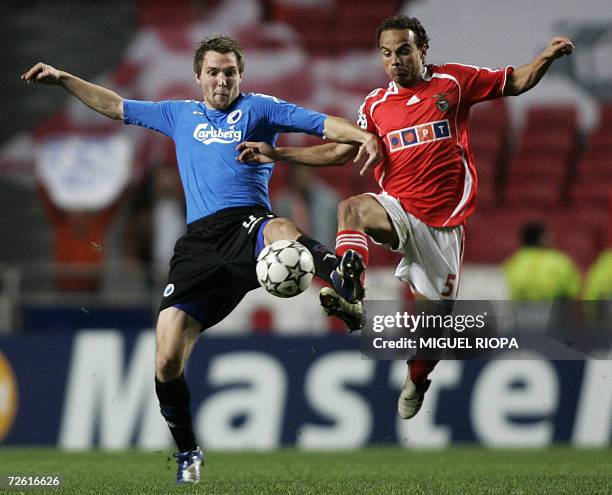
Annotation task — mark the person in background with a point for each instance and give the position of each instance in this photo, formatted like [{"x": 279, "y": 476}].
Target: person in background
[
  {"x": 597, "y": 291},
  {"x": 156, "y": 220},
  {"x": 537, "y": 272}
]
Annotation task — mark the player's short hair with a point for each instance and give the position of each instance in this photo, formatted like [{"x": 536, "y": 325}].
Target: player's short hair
[
  {"x": 533, "y": 234},
  {"x": 219, "y": 44},
  {"x": 404, "y": 22}
]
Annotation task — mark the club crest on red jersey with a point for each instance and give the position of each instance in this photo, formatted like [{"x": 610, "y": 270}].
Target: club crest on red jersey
[
  {"x": 419, "y": 134},
  {"x": 442, "y": 102}
]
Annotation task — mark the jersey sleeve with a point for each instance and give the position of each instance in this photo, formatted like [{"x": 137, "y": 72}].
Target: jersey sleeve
[
  {"x": 480, "y": 83},
  {"x": 364, "y": 118},
  {"x": 288, "y": 117},
  {"x": 159, "y": 116}
]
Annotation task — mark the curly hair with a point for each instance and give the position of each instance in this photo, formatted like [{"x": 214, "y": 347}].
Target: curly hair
[
  {"x": 404, "y": 22},
  {"x": 220, "y": 44}
]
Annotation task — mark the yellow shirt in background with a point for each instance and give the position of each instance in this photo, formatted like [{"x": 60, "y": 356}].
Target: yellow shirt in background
[
  {"x": 541, "y": 274},
  {"x": 598, "y": 283}
]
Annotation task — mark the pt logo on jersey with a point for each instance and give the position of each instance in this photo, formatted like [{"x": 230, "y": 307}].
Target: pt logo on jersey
[
  {"x": 420, "y": 134},
  {"x": 208, "y": 135}
]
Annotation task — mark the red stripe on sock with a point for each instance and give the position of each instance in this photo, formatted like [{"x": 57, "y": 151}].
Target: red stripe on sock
[
  {"x": 355, "y": 240},
  {"x": 420, "y": 369}
]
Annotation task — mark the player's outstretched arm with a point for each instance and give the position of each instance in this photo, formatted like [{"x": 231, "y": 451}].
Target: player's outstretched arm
[
  {"x": 343, "y": 131},
  {"x": 101, "y": 99},
  {"x": 352, "y": 142},
  {"x": 323, "y": 155},
  {"x": 527, "y": 76}
]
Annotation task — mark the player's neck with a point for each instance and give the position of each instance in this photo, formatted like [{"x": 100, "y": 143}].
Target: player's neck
[
  {"x": 409, "y": 84},
  {"x": 415, "y": 81},
  {"x": 210, "y": 106}
]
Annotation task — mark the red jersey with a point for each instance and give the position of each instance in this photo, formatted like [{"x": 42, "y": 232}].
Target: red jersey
[{"x": 429, "y": 165}]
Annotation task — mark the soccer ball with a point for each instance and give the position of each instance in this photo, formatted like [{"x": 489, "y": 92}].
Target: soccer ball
[{"x": 285, "y": 268}]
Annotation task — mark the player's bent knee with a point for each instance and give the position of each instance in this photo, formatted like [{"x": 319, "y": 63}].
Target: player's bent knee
[
  {"x": 176, "y": 334},
  {"x": 353, "y": 211},
  {"x": 167, "y": 367},
  {"x": 280, "y": 229}
]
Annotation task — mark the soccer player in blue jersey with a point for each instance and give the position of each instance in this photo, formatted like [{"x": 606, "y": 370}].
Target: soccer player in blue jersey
[{"x": 228, "y": 209}]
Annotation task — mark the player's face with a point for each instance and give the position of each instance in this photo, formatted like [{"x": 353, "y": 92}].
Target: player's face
[
  {"x": 219, "y": 79},
  {"x": 402, "y": 60}
]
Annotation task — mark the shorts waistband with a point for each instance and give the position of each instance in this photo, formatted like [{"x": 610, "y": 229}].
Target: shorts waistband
[{"x": 234, "y": 211}]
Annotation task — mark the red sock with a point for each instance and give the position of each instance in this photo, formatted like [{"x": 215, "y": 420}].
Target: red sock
[
  {"x": 420, "y": 369},
  {"x": 352, "y": 239}
]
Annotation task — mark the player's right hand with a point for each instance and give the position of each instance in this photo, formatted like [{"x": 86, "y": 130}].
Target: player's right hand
[
  {"x": 255, "y": 151},
  {"x": 42, "y": 73},
  {"x": 558, "y": 47},
  {"x": 374, "y": 151}
]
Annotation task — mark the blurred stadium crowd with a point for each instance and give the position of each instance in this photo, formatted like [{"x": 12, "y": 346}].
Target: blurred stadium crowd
[{"x": 90, "y": 209}]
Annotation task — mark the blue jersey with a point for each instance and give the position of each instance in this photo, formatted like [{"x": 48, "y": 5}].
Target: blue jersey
[{"x": 206, "y": 141}]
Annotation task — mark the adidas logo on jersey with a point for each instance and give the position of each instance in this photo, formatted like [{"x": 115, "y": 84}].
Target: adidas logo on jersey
[
  {"x": 414, "y": 99},
  {"x": 419, "y": 134},
  {"x": 208, "y": 135}
]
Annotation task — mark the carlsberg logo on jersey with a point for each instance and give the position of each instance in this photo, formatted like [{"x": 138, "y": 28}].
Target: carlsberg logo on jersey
[
  {"x": 208, "y": 135},
  {"x": 419, "y": 134}
]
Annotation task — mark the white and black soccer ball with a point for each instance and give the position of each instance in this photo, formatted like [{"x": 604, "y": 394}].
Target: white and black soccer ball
[{"x": 285, "y": 268}]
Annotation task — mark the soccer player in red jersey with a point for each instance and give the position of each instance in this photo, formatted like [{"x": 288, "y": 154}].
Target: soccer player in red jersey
[{"x": 427, "y": 178}]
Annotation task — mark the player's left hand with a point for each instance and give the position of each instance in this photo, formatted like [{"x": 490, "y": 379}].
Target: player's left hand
[
  {"x": 373, "y": 149},
  {"x": 255, "y": 151},
  {"x": 558, "y": 47}
]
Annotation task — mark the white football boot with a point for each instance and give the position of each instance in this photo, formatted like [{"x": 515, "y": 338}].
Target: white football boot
[
  {"x": 189, "y": 464},
  {"x": 352, "y": 314},
  {"x": 411, "y": 397}
]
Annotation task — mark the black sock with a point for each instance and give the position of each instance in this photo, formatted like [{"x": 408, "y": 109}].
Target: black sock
[
  {"x": 325, "y": 261},
  {"x": 174, "y": 399}
]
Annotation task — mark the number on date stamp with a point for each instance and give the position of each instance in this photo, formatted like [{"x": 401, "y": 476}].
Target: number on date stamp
[{"x": 23, "y": 481}]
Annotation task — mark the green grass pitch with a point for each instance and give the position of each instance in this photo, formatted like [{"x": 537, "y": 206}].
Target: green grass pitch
[{"x": 385, "y": 470}]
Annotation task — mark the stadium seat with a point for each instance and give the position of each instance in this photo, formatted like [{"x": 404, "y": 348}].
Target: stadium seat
[
  {"x": 163, "y": 13},
  {"x": 486, "y": 198},
  {"x": 581, "y": 233},
  {"x": 605, "y": 116},
  {"x": 487, "y": 195},
  {"x": 329, "y": 29},
  {"x": 598, "y": 163},
  {"x": 560, "y": 141},
  {"x": 560, "y": 117},
  {"x": 600, "y": 140},
  {"x": 592, "y": 189},
  {"x": 580, "y": 242},
  {"x": 487, "y": 142},
  {"x": 489, "y": 115},
  {"x": 340, "y": 178},
  {"x": 488, "y": 239},
  {"x": 536, "y": 193},
  {"x": 365, "y": 15},
  {"x": 535, "y": 183},
  {"x": 311, "y": 23},
  {"x": 547, "y": 165},
  {"x": 278, "y": 179},
  {"x": 492, "y": 236}
]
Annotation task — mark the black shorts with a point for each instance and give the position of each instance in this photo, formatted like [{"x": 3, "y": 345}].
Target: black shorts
[{"x": 213, "y": 266}]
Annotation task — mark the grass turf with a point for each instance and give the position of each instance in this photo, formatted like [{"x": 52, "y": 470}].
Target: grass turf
[{"x": 387, "y": 470}]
